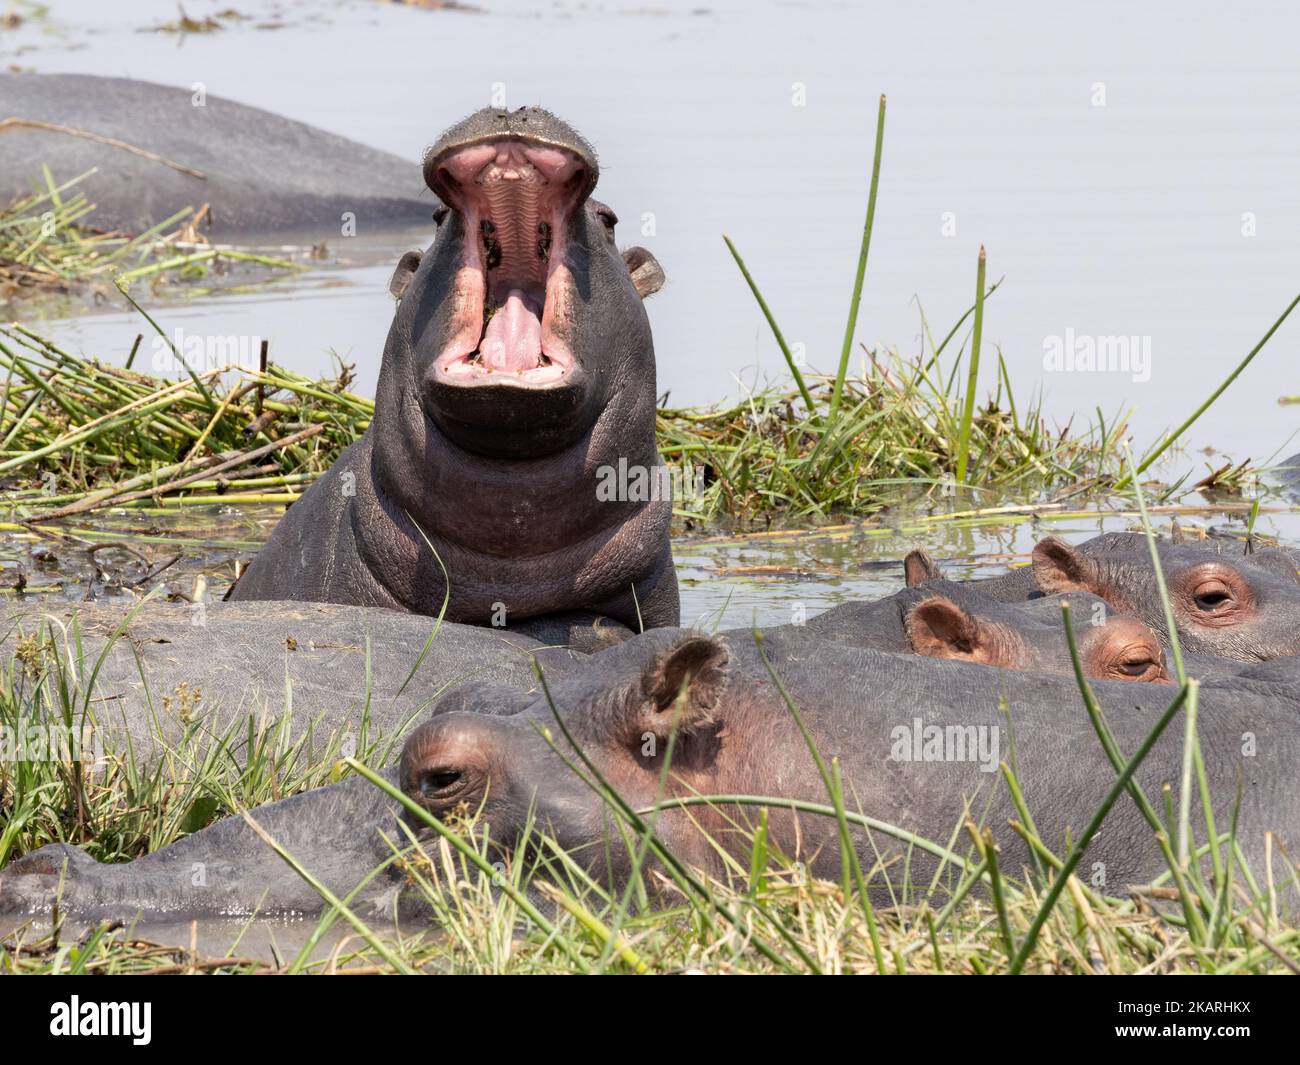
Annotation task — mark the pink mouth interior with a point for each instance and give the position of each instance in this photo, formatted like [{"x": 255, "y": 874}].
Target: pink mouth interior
[{"x": 512, "y": 287}]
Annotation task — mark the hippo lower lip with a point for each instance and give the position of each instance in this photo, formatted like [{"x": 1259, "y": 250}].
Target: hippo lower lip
[{"x": 515, "y": 197}]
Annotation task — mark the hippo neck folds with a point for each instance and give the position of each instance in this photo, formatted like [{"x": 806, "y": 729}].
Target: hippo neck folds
[
  {"x": 520, "y": 361},
  {"x": 518, "y": 373}
]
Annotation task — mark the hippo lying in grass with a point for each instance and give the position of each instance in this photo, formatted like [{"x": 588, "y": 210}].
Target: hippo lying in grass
[
  {"x": 918, "y": 743},
  {"x": 514, "y": 424},
  {"x": 166, "y": 675},
  {"x": 259, "y": 172},
  {"x": 1226, "y": 604}
]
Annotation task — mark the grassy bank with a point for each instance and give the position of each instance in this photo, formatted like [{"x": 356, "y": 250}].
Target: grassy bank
[
  {"x": 1209, "y": 912},
  {"x": 76, "y": 434}
]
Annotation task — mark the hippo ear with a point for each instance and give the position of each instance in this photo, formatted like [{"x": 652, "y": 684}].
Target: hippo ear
[
  {"x": 1058, "y": 567},
  {"x": 919, "y": 567},
  {"x": 647, "y": 275},
  {"x": 682, "y": 686},
  {"x": 406, "y": 267},
  {"x": 939, "y": 628}
]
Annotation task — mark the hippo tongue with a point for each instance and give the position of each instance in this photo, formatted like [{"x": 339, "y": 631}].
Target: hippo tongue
[{"x": 512, "y": 341}]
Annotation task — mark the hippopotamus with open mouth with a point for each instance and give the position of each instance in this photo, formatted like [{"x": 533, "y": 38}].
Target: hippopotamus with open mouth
[{"x": 518, "y": 373}]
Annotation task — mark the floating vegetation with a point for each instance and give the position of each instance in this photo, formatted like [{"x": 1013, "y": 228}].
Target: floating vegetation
[
  {"x": 48, "y": 244},
  {"x": 77, "y": 435},
  {"x": 185, "y": 23}
]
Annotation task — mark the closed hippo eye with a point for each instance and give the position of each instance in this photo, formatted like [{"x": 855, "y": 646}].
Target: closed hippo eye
[
  {"x": 1137, "y": 667},
  {"x": 1215, "y": 594},
  {"x": 437, "y": 781},
  {"x": 1128, "y": 650},
  {"x": 607, "y": 216}
]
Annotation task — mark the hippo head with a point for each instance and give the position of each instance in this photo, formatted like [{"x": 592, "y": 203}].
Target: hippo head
[
  {"x": 1237, "y": 606},
  {"x": 523, "y": 319},
  {"x": 1032, "y": 636},
  {"x": 511, "y": 762}
]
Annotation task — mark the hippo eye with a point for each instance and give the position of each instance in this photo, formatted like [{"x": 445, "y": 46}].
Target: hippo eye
[
  {"x": 1212, "y": 596},
  {"x": 1215, "y": 595},
  {"x": 439, "y": 780},
  {"x": 1136, "y": 667},
  {"x": 440, "y": 214},
  {"x": 607, "y": 216}
]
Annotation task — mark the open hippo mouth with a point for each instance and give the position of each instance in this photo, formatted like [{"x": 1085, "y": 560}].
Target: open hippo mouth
[{"x": 512, "y": 293}]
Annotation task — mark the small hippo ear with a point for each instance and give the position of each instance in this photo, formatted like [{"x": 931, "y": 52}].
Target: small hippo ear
[
  {"x": 919, "y": 567},
  {"x": 939, "y": 628},
  {"x": 1058, "y": 567},
  {"x": 690, "y": 675},
  {"x": 647, "y": 275},
  {"x": 406, "y": 267}
]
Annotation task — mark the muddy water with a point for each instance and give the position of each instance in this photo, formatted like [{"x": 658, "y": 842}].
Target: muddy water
[
  {"x": 726, "y": 581},
  {"x": 1107, "y": 161}
]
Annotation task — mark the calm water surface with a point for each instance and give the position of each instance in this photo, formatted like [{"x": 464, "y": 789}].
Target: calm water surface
[{"x": 1113, "y": 160}]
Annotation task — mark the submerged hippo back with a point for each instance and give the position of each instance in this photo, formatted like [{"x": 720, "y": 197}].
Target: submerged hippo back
[{"x": 260, "y": 172}]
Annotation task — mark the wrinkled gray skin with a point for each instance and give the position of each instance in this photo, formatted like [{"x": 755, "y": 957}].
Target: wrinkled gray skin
[
  {"x": 499, "y": 473},
  {"x": 956, "y": 620},
  {"x": 737, "y": 736},
  {"x": 260, "y": 172},
  {"x": 264, "y": 660},
  {"x": 1227, "y": 604}
]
